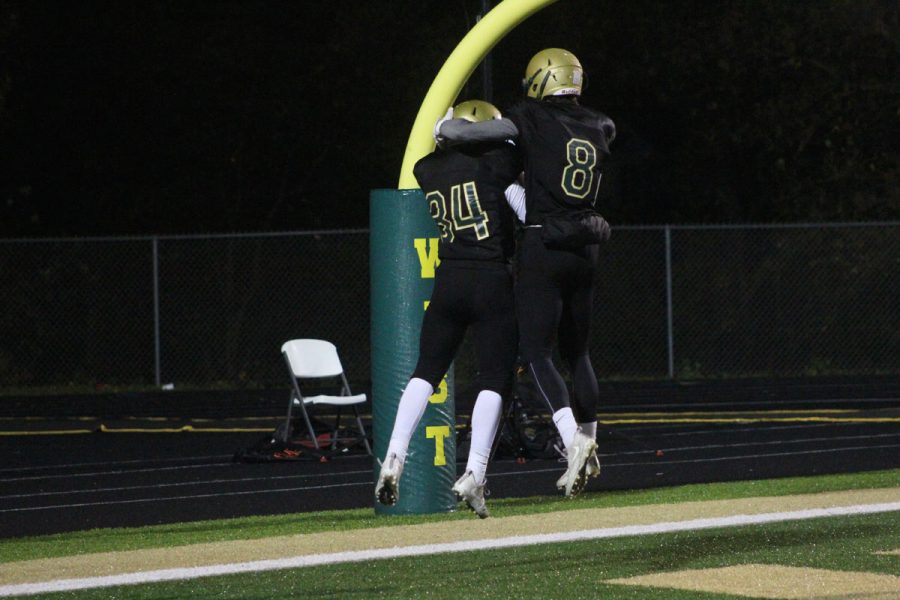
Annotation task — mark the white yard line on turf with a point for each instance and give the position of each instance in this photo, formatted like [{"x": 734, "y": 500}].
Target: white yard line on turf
[{"x": 426, "y": 549}]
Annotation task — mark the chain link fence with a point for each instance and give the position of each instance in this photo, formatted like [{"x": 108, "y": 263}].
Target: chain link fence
[{"x": 672, "y": 302}]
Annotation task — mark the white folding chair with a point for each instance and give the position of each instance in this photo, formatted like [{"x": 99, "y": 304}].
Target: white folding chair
[{"x": 318, "y": 359}]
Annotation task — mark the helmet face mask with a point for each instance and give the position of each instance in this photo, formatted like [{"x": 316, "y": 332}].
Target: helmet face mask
[
  {"x": 475, "y": 111},
  {"x": 553, "y": 72}
]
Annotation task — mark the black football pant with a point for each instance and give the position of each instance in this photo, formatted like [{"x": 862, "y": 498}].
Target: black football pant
[
  {"x": 554, "y": 296},
  {"x": 474, "y": 296}
]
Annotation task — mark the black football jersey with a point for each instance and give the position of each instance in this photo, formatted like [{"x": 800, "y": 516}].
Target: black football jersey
[
  {"x": 464, "y": 188},
  {"x": 563, "y": 146}
]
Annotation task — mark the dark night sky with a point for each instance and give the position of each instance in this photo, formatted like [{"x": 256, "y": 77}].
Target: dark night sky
[{"x": 125, "y": 116}]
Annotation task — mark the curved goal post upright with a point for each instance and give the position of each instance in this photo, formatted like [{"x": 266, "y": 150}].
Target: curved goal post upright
[{"x": 403, "y": 256}]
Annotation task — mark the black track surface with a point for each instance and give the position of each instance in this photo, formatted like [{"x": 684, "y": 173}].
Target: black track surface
[
  {"x": 651, "y": 434},
  {"x": 60, "y": 483}
]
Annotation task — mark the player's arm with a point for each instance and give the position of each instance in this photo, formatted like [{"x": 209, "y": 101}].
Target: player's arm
[
  {"x": 608, "y": 127},
  {"x": 515, "y": 197},
  {"x": 461, "y": 131}
]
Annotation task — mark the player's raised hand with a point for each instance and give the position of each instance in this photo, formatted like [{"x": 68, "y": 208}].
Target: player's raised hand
[{"x": 438, "y": 138}]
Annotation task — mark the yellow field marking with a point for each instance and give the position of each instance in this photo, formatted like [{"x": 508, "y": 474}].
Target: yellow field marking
[
  {"x": 687, "y": 413},
  {"x": 773, "y": 581},
  {"x": 135, "y": 418},
  {"x": 48, "y": 432},
  {"x": 624, "y": 418},
  {"x": 183, "y": 429},
  {"x": 206, "y": 419},
  {"x": 895, "y": 552},
  {"x": 392, "y": 537},
  {"x": 755, "y": 420},
  {"x": 105, "y": 429},
  {"x": 196, "y": 419},
  {"x": 48, "y": 419}
]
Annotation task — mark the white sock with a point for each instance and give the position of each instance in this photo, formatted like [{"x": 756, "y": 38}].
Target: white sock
[
  {"x": 565, "y": 423},
  {"x": 409, "y": 412},
  {"x": 589, "y": 429},
  {"x": 485, "y": 418}
]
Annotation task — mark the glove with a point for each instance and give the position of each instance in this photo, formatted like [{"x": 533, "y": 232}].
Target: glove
[
  {"x": 438, "y": 138},
  {"x": 575, "y": 230},
  {"x": 598, "y": 228}
]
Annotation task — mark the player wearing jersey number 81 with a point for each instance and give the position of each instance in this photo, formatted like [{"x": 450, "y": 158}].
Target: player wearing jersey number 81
[{"x": 563, "y": 145}]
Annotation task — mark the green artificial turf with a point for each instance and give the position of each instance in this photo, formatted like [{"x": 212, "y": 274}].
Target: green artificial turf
[{"x": 561, "y": 570}]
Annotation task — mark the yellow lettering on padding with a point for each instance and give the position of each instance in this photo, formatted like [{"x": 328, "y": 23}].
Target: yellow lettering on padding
[
  {"x": 428, "y": 258},
  {"x": 438, "y": 432},
  {"x": 440, "y": 396}
]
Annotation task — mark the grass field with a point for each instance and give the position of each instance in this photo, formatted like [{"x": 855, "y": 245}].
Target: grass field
[{"x": 853, "y": 550}]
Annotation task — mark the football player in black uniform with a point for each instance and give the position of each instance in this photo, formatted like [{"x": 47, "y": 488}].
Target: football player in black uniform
[
  {"x": 464, "y": 186},
  {"x": 563, "y": 145}
]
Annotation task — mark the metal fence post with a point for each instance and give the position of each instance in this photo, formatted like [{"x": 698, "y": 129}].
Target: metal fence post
[
  {"x": 669, "y": 329},
  {"x": 156, "y": 342}
]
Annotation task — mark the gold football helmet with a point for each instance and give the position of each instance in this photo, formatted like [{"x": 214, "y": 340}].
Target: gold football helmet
[
  {"x": 475, "y": 111},
  {"x": 553, "y": 72}
]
